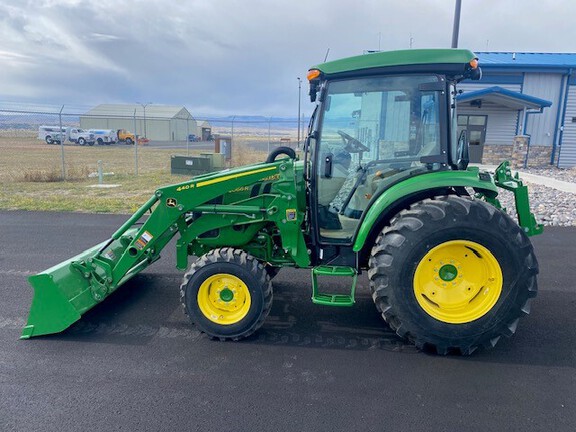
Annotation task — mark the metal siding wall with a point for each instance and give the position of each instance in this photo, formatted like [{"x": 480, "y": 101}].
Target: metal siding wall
[
  {"x": 92, "y": 123},
  {"x": 568, "y": 149},
  {"x": 547, "y": 86},
  {"x": 111, "y": 123},
  {"x": 501, "y": 123},
  {"x": 368, "y": 124},
  {"x": 156, "y": 129},
  {"x": 468, "y": 87},
  {"x": 397, "y": 123},
  {"x": 178, "y": 129}
]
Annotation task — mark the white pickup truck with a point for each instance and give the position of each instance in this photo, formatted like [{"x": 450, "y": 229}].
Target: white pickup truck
[
  {"x": 104, "y": 136},
  {"x": 55, "y": 135},
  {"x": 80, "y": 136}
]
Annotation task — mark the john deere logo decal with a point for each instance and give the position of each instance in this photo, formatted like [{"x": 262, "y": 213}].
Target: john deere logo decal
[
  {"x": 171, "y": 202},
  {"x": 291, "y": 214}
]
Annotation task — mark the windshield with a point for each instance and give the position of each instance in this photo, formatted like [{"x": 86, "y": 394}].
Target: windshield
[{"x": 373, "y": 131}]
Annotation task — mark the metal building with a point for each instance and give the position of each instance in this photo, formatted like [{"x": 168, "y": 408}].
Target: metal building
[
  {"x": 531, "y": 95},
  {"x": 204, "y": 130},
  {"x": 155, "y": 122}
]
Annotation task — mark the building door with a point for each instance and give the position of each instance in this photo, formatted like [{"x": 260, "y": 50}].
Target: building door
[{"x": 476, "y": 127}]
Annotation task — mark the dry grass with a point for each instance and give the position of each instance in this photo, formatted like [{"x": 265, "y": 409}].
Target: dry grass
[
  {"x": 31, "y": 173},
  {"x": 53, "y": 175},
  {"x": 27, "y": 157}
]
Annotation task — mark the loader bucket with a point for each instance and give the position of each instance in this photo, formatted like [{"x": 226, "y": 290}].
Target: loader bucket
[
  {"x": 61, "y": 296},
  {"x": 63, "y": 293}
]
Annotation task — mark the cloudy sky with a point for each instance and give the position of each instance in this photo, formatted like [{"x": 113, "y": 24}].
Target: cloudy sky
[{"x": 225, "y": 57}]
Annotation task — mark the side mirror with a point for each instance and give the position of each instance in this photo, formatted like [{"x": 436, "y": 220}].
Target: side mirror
[
  {"x": 463, "y": 153},
  {"x": 476, "y": 74},
  {"x": 313, "y": 90}
]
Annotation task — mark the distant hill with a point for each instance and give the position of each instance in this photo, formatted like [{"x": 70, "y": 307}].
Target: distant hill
[
  {"x": 259, "y": 122},
  {"x": 33, "y": 120}
]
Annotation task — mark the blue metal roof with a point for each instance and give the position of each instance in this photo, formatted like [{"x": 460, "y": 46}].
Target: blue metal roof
[
  {"x": 523, "y": 60},
  {"x": 505, "y": 97}
]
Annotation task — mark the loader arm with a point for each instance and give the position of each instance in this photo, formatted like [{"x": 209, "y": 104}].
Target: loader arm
[{"x": 66, "y": 291}]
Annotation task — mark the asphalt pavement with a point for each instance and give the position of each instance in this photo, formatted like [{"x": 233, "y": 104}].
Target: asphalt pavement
[{"x": 135, "y": 363}]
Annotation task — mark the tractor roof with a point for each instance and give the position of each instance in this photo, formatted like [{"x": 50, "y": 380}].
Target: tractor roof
[{"x": 405, "y": 59}]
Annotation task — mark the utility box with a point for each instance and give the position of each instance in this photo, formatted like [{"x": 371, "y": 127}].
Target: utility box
[
  {"x": 223, "y": 145},
  {"x": 191, "y": 165},
  {"x": 216, "y": 159}
]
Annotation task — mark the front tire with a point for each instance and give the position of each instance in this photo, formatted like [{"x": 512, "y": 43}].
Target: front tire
[
  {"x": 81, "y": 141},
  {"x": 227, "y": 294},
  {"x": 452, "y": 274},
  {"x": 272, "y": 271}
]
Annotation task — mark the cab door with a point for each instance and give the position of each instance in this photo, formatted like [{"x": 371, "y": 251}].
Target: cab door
[{"x": 374, "y": 132}]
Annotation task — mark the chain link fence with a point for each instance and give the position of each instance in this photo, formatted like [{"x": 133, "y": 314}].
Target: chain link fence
[{"x": 68, "y": 142}]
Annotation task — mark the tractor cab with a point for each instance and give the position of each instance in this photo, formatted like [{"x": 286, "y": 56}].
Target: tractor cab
[{"x": 380, "y": 119}]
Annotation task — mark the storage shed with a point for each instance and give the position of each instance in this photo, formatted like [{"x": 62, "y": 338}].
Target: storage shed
[
  {"x": 527, "y": 95},
  {"x": 204, "y": 130},
  {"x": 155, "y": 122}
]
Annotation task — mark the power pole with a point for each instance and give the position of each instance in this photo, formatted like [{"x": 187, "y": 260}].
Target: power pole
[
  {"x": 299, "y": 94},
  {"x": 144, "y": 105},
  {"x": 456, "y": 28}
]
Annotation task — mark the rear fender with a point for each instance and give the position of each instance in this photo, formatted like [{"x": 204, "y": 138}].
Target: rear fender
[{"x": 424, "y": 184}]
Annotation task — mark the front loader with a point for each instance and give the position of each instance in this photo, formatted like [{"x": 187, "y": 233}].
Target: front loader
[{"x": 383, "y": 186}]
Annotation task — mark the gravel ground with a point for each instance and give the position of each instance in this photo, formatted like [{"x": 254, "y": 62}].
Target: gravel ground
[
  {"x": 567, "y": 175},
  {"x": 550, "y": 206}
]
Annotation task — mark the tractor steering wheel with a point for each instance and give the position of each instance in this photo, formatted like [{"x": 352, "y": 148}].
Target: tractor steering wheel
[{"x": 352, "y": 145}]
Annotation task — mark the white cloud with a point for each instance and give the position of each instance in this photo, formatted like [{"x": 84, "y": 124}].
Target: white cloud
[{"x": 238, "y": 56}]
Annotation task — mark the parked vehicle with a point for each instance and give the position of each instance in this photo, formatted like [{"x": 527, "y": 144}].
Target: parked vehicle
[
  {"x": 104, "y": 136},
  {"x": 59, "y": 137},
  {"x": 57, "y": 134},
  {"x": 126, "y": 136},
  {"x": 51, "y": 134},
  {"x": 80, "y": 136},
  {"x": 448, "y": 269}
]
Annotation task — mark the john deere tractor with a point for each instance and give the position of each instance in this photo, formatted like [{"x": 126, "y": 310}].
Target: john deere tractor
[{"x": 382, "y": 185}]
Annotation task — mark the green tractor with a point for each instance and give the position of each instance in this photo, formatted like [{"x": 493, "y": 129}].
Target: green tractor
[{"x": 382, "y": 185}]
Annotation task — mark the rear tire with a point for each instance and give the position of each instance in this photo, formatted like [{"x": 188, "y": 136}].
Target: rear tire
[
  {"x": 227, "y": 294},
  {"x": 49, "y": 140},
  {"x": 81, "y": 141},
  {"x": 452, "y": 274}
]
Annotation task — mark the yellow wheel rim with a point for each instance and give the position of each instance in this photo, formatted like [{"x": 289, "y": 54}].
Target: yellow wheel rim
[
  {"x": 224, "y": 299},
  {"x": 458, "y": 281}
]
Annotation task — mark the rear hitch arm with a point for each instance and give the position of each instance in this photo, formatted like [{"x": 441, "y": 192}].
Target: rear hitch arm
[{"x": 504, "y": 179}]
